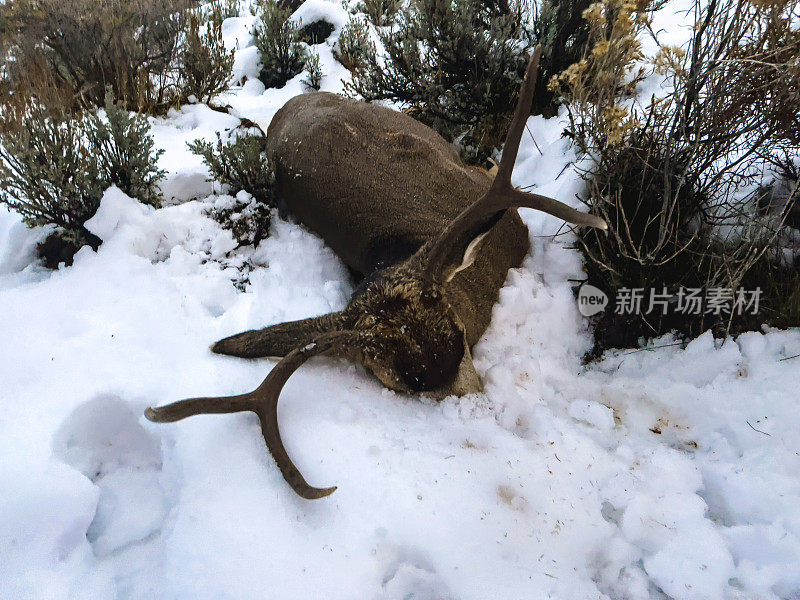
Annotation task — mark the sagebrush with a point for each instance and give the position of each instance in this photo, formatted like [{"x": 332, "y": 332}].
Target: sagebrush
[
  {"x": 277, "y": 38},
  {"x": 563, "y": 33},
  {"x": 354, "y": 45},
  {"x": 678, "y": 178},
  {"x": 150, "y": 54},
  {"x": 314, "y": 72},
  {"x": 54, "y": 170},
  {"x": 204, "y": 61},
  {"x": 242, "y": 164},
  {"x": 456, "y": 64},
  {"x": 127, "y": 156},
  {"x": 380, "y": 12}
]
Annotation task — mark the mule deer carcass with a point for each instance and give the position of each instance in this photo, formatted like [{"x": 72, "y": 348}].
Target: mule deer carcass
[{"x": 432, "y": 238}]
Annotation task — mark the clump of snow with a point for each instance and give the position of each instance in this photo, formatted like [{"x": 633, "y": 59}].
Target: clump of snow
[
  {"x": 187, "y": 176},
  {"x": 665, "y": 472},
  {"x": 237, "y": 32},
  {"x": 312, "y": 11},
  {"x": 18, "y": 244},
  {"x": 246, "y": 64},
  {"x": 121, "y": 221}
]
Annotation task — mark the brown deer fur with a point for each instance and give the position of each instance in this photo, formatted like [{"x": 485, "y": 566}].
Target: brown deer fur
[{"x": 379, "y": 184}]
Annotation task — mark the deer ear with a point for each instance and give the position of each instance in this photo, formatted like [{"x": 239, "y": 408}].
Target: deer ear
[{"x": 470, "y": 254}]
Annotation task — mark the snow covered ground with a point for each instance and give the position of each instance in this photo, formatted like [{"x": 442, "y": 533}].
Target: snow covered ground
[{"x": 665, "y": 472}]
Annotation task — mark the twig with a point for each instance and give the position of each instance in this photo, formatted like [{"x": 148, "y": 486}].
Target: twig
[
  {"x": 534, "y": 140},
  {"x": 564, "y": 169},
  {"x": 651, "y": 348},
  {"x": 758, "y": 430}
]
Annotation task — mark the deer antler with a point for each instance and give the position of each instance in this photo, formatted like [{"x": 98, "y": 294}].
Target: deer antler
[
  {"x": 279, "y": 339},
  {"x": 264, "y": 402},
  {"x": 465, "y": 231}
]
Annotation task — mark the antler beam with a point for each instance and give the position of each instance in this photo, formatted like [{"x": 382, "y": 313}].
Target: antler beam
[
  {"x": 264, "y": 402},
  {"x": 445, "y": 252}
]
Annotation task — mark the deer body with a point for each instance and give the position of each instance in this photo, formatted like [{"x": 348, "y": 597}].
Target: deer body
[
  {"x": 378, "y": 185},
  {"x": 433, "y": 238}
]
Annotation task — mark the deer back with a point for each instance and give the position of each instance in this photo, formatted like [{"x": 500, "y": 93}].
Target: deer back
[{"x": 376, "y": 184}]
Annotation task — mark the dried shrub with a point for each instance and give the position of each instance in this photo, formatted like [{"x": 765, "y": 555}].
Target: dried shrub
[
  {"x": 87, "y": 46},
  {"x": 224, "y": 9},
  {"x": 457, "y": 64},
  {"x": 677, "y": 180},
  {"x": 35, "y": 84},
  {"x": 595, "y": 86},
  {"x": 775, "y": 197},
  {"x": 277, "y": 39},
  {"x": 206, "y": 64},
  {"x": 290, "y": 5},
  {"x": 152, "y": 55},
  {"x": 54, "y": 170}
]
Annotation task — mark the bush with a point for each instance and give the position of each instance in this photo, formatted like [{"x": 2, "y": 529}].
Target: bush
[
  {"x": 244, "y": 216},
  {"x": 595, "y": 87},
  {"x": 48, "y": 176},
  {"x": 85, "y": 46},
  {"x": 677, "y": 180},
  {"x": 54, "y": 170},
  {"x": 206, "y": 64},
  {"x": 224, "y": 9},
  {"x": 563, "y": 33},
  {"x": 380, "y": 12},
  {"x": 277, "y": 40},
  {"x": 314, "y": 70},
  {"x": 79, "y": 48},
  {"x": 457, "y": 64},
  {"x": 126, "y": 153},
  {"x": 354, "y": 45},
  {"x": 242, "y": 165}
]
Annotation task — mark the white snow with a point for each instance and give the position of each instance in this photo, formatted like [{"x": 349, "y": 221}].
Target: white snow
[
  {"x": 663, "y": 472},
  {"x": 312, "y": 11}
]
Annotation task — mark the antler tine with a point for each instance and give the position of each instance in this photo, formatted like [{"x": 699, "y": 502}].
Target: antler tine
[
  {"x": 467, "y": 229},
  {"x": 264, "y": 402},
  {"x": 521, "y": 114}
]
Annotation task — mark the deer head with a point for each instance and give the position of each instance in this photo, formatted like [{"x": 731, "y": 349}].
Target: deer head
[{"x": 399, "y": 323}]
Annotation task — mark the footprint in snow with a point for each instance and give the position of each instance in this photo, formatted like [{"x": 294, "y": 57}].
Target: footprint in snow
[
  {"x": 409, "y": 575},
  {"x": 102, "y": 438}
]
